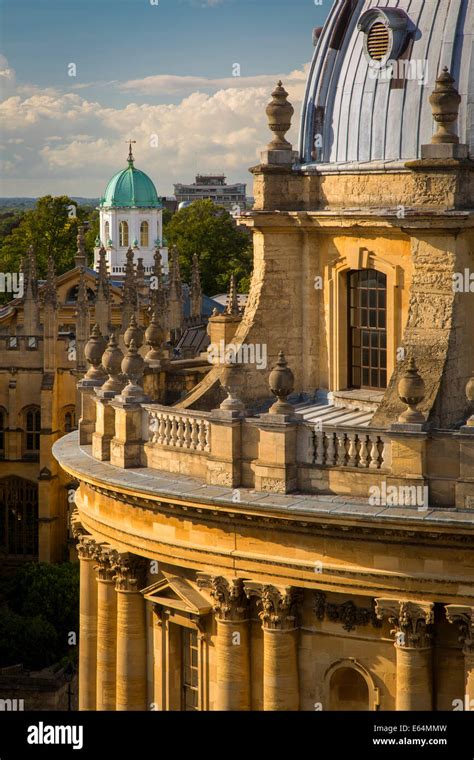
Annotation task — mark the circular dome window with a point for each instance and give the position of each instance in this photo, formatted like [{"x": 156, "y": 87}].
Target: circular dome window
[{"x": 378, "y": 41}]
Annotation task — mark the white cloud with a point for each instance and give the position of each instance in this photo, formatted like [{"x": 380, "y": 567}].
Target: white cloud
[
  {"x": 166, "y": 84},
  {"x": 74, "y": 145}
]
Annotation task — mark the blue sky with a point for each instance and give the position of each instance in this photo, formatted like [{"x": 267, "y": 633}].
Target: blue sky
[{"x": 160, "y": 69}]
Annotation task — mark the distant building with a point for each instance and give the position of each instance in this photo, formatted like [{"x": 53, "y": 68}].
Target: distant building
[
  {"x": 213, "y": 187},
  {"x": 131, "y": 216}
]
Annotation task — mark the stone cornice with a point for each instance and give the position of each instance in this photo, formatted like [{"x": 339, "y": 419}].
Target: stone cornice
[
  {"x": 324, "y": 524},
  {"x": 431, "y": 528}
]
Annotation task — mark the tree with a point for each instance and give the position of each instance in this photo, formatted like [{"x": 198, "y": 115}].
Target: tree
[
  {"x": 222, "y": 248},
  {"x": 51, "y": 228},
  {"x": 38, "y": 610}
]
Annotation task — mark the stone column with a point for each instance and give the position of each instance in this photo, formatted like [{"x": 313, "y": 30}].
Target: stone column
[
  {"x": 86, "y": 549},
  {"x": 463, "y": 616},
  {"x": 280, "y": 645},
  {"x": 106, "y": 629},
  {"x": 411, "y": 621},
  {"x": 131, "y": 634},
  {"x": 233, "y": 641}
]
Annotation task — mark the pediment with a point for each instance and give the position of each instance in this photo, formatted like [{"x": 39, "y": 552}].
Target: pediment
[{"x": 178, "y": 594}]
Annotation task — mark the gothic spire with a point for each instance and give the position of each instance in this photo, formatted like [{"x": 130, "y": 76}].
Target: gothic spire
[
  {"x": 50, "y": 295},
  {"x": 232, "y": 307},
  {"x": 175, "y": 294},
  {"x": 195, "y": 289},
  {"x": 129, "y": 293},
  {"x": 102, "y": 299},
  {"x": 31, "y": 288},
  {"x": 157, "y": 296},
  {"x": 82, "y": 299},
  {"x": 80, "y": 257},
  {"x": 175, "y": 286},
  {"x": 103, "y": 285}
]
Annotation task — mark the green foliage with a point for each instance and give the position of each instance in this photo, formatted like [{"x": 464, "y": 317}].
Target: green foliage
[
  {"x": 50, "y": 229},
  {"x": 41, "y": 607},
  {"x": 222, "y": 248},
  {"x": 8, "y": 221}
]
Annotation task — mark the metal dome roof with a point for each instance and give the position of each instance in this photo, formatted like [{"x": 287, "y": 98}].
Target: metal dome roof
[
  {"x": 131, "y": 188},
  {"x": 354, "y": 111}
]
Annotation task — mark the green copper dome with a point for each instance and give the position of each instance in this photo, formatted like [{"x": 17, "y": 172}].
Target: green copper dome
[{"x": 131, "y": 188}]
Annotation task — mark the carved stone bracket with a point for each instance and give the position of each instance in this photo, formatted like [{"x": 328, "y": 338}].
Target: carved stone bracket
[
  {"x": 411, "y": 621},
  {"x": 279, "y": 606},
  {"x": 463, "y": 616},
  {"x": 230, "y": 601},
  {"x": 77, "y": 528},
  {"x": 346, "y": 613},
  {"x": 130, "y": 572}
]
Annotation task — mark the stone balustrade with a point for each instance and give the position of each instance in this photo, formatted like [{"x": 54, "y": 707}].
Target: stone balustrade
[
  {"x": 344, "y": 447},
  {"x": 190, "y": 431}
]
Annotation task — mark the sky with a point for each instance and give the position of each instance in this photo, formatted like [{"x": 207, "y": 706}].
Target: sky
[{"x": 80, "y": 77}]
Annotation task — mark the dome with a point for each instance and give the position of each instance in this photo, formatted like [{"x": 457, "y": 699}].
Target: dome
[
  {"x": 374, "y": 68},
  {"x": 131, "y": 188}
]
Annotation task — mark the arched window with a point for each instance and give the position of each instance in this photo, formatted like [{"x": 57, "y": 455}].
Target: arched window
[
  {"x": 2, "y": 431},
  {"x": 144, "y": 234},
  {"x": 32, "y": 430},
  {"x": 123, "y": 232},
  {"x": 72, "y": 294},
  {"x": 367, "y": 289},
  {"x": 348, "y": 690},
  {"x": 18, "y": 517},
  {"x": 69, "y": 419},
  {"x": 106, "y": 233}
]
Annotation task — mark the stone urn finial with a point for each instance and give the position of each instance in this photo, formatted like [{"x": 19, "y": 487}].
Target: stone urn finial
[
  {"x": 232, "y": 381},
  {"x": 281, "y": 382},
  {"x": 112, "y": 363},
  {"x": 133, "y": 332},
  {"x": 445, "y": 100},
  {"x": 279, "y": 112},
  {"x": 132, "y": 368},
  {"x": 154, "y": 337},
  {"x": 411, "y": 390},
  {"x": 93, "y": 351},
  {"x": 470, "y": 398}
]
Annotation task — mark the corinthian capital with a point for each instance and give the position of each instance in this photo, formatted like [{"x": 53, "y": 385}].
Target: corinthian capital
[
  {"x": 463, "y": 616},
  {"x": 130, "y": 572},
  {"x": 106, "y": 562},
  {"x": 230, "y": 602},
  {"x": 278, "y": 605},
  {"x": 86, "y": 546},
  {"x": 410, "y": 620}
]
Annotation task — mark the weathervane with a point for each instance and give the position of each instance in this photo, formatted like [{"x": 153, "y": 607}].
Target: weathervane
[{"x": 130, "y": 154}]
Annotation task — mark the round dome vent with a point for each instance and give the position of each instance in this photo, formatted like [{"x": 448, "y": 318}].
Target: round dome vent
[
  {"x": 387, "y": 31},
  {"x": 378, "y": 41}
]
